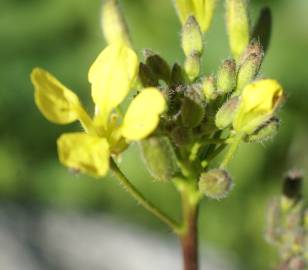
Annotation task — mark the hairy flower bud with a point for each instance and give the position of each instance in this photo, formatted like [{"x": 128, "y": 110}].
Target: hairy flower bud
[
  {"x": 226, "y": 77},
  {"x": 192, "y": 111},
  {"x": 209, "y": 88},
  {"x": 215, "y": 183},
  {"x": 177, "y": 76},
  {"x": 192, "y": 66},
  {"x": 225, "y": 115},
  {"x": 159, "y": 157},
  {"x": 147, "y": 76},
  {"x": 265, "y": 131},
  {"x": 293, "y": 184},
  {"x": 192, "y": 37},
  {"x": 250, "y": 64},
  {"x": 237, "y": 25},
  {"x": 113, "y": 24},
  {"x": 158, "y": 65}
]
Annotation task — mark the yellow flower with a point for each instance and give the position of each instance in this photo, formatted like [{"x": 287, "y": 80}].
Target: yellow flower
[
  {"x": 111, "y": 76},
  {"x": 259, "y": 101},
  {"x": 202, "y": 10}
]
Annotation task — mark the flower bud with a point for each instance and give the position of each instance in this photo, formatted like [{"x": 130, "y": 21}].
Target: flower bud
[
  {"x": 265, "y": 131},
  {"x": 158, "y": 65},
  {"x": 225, "y": 115},
  {"x": 177, "y": 77},
  {"x": 237, "y": 26},
  {"x": 226, "y": 77},
  {"x": 192, "y": 111},
  {"x": 215, "y": 183},
  {"x": 209, "y": 88},
  {"x": 147, "y": 77},
  {"x": 191, "y": 37},
  {"x": 259, "y": 101},
  {"x": 113, "y": 24},
  {"x": 250, "y": 64},
  {"x": 293, "y": 184},
  {"x": 159, "y": 157},
  {"x": 192, "y": 66}
]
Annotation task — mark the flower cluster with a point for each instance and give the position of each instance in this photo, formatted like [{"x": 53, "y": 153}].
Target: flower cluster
[
  {"x": 112, "y": 76},
  {"x": 181, "y": 118}
]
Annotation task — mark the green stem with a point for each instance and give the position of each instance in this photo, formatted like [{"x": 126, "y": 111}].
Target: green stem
[
  {"x": 136, "y": 194},
  {"x": 231, "y": 151}
]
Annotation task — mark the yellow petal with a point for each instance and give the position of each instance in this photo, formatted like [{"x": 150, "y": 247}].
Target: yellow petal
[
  {"x": 112, "y": 75},
  {"x": 185, "y": 8},
  {"x": 57, "y": 103},
  {"x": 142, "y": 116},
  {"x": 85, "y": 153},
  {"x": 259, "y": 100}
]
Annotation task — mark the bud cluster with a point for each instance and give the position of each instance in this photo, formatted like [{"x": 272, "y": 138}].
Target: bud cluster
[
  {"x": 206, "y": 113},
  {"x": 287, "y": 224}
]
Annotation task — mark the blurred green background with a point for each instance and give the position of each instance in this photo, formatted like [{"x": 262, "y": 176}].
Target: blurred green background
[{"x": 64, "y": 37}]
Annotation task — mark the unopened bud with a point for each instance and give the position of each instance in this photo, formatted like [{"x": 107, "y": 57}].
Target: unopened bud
[
  {"x": 192, "y": 37},
  {"x": 215, "y": 183},
  {"x": 192, "y": 111},
  {"x": 147, "y": 77},
  {"x": 265, "y": 131},
  {"x": 209, "y": 88},
  {"x": 177, "y": 76},
  {"x": 192, "y": 66},
  {"x": 158, "y": 65},
  {"x": 292, "y": 186},
  {"x": 250, "y": 64},
  {"x": 237, "y": 25},
  {"x": 226, "y": 77},
  {"x": 225, "y": 115},
  {"x": 113, "y": 24},
  {"x": 159, "y": 157}
]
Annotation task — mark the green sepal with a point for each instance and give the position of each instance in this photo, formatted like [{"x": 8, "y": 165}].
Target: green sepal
[
  {"x": 225, "y": 114},
  {"x": 158, "y": 65},
  {"x": 159, "y": 157}
]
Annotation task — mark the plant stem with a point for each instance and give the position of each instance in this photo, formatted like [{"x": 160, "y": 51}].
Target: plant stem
[
  {"x": 189, "y": 236},
  {"x": 137, "y": 195},
  {"x": 231, "y": 151}
]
